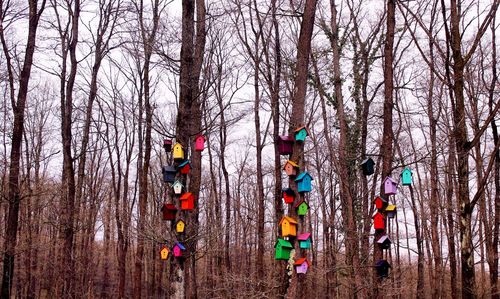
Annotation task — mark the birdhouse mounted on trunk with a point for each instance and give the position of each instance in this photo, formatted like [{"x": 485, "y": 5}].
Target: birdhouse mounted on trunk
[
  {"x": 301, "y": 265},
  {"x": 302, "y": 207},
  {"x": 288, "y": 226},
  {"x": 382, "y": 267},
  {"x": 169, "y": 173},
  {"x": 300, "y": 134},
  {"x": 304, "y": 240},
  {"x": 288, "y": 195},
  {"x": 390, "y": 186},
  {"x": 368, "y": 166},
  {"x": 379, "y": 221},
  {"x": 164, "y": 253},
  {"x": 406, "y": 177},
  {"x": 178, "y": 152},
  {"x": 391, "y": 211},
  {"x": 200, "y": 143},
  {"x": 167, "y": 145},
  {"x": 180, "y": 225},
  {"x": 184, "y": 167},
  {"x": 177, "y": 186},
  {"x": 179, "y": 249},
  {"x": 384, "y": 242},
  {"x": 285, "y": 145},
  {"x": 304, "y": 182},
  {"x": 380, "y": 203},
  {"x": 169, "y": 210},
  {"x": 187, "y": 201},
  {"x": 283, "y": 249},
  {"x": 291, "y": 168}
]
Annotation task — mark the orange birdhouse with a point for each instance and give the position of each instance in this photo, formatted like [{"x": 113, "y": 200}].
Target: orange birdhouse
[
  {"x": 164, "y": 253},
  {"x": 288, "y": 226},
  {"x": 187, "y": 201},
  {"x": 290, "y": 168}
]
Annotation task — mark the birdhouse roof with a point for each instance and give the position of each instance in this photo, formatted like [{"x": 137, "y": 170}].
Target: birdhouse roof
[
  {"x": 177, "y": 183},
  {"x": 169, "y": 206},
  {"x": 184, "y": 163},
  {"x": 283, "y": 243},
  {"x": 301, "y": 176},
  {"x": 407, "y": 169},
  {"x": 301, "y": 202},
  {"x": 304, "y": 236},
  {"x": 169, "y": 169},
  {"x": 291, "y": 163},
  {"x": 180, "y": 246},
  {"x": 167, "y": 141},
  {"x": 178, "y": 144},
  {"x": 285, "y": 138},
  {"x": 378, "y": 197},
  {"x": 367, "y": 160},
  {"x": 390, "y": 208},
  {"x": 390, "y": 180},
  {"x": 383, "y": 239},
  {"x": 201, "y": 136},
  {"x": 382, "y": 263},
  {"x": 300, "y": 128},
  {"x": 186, "y": 195},
  {"x": 301, "y": 261},
  {"x": 180, "y": 220},
  {"x": 378, "y": 214},
  {"x": 289, "y": 191},
  {"x": 289, "y": 219},
  {"x": 164, "y": 248}
]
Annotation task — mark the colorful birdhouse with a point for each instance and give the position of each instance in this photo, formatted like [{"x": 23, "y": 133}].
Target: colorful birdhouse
[
  {"x": 184, "y": 167},
  {"x": 177, "y": 186},
  {"x": 379, "y": 221},
  {"x": 169, "y": 210},
  {"x": 167, "y": 145},
  {"x": 288, "y": 195},
  {"x": 285, "y": 145},
  {"x": 169, "y": 173},
  {"x": 301, "y": 265},
  {"x": 302, "y": 207},
  {"x": 288, "y": 226},
  {"x": 304, "y": 182},
  {"x": 304, "y": 240},
  {"x": 380, "y": 203},
  {"x": 406, "y": 177},
  {"x": 384, "y": 242},
  {"x": 178, "y": 152},
  {"x": 368, "y": 166},
  {"x": 291, "y": 168},
  {"x": 180, "y": 225},
  {"x": 301, "y": 133},
  {"x": 391, "y": 211},
  {"x": 390, "y": 186},
  {"x": 200, "y": 143},
  {"x": 187, "y": 201},
  {"x": 382, "y": 267},
  {"x": 179, "y": 249},
  {"x": 283, "y": 249},
  {"x": 164, "y": 253}
]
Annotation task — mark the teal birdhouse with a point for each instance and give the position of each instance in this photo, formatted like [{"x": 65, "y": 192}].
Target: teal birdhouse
[
  {"x": 283, "y": 249},
  {"x": 304, "y": 182},
  {"x": 301, "y": 133},
  {"x": 406, "y": 177},
  {"x": 304, "y": 240}
]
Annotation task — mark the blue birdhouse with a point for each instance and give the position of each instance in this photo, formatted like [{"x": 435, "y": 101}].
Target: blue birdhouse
[
  {"x": 301, "y": 133},
  {"x": 304, "y": 182},
  {"x": 169, "y": 173},
  {"x": 406, "y": 177}
]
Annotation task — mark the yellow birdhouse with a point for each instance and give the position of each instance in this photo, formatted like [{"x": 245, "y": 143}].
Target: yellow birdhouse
[
  {"x": 164, "y": 253},
  {"x": 288, "y": 226},
  {"x": 178, "y": 151},
  {"x": 180, "y": 226}
]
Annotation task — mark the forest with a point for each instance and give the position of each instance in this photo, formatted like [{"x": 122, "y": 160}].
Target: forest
[{"x": 249, "y": 149}]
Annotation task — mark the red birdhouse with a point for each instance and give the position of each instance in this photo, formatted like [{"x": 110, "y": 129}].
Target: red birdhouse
[
  {"x": 379, "y": 221},
  {"x": 288, "y": 195},
  {"x": 184, "y": 167},
  {"x": 380, "y": 203},
  {"x": 200, "y": 143},
  {"x": 187, "y": 201},
  {"x": 169, "y": 211}
]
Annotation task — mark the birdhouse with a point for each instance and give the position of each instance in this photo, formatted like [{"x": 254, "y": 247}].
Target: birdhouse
[
  {"x": 379, "y": 221},
  {"x": 304, "y": 240},
  {"x": 406, "y": 177},
  {"x": 187, "y": 201},
  {"x": 390, "y": 211},
  {"x": 177, "y": 186},
  {"x": 367, "y": 166},
  {"x": 291, "y": 168},
  {"x": 178, "y": 152},
  {"x": 169, "y": 210},
  {"x": 169, "y": 173},
  {"x": 164, "y": 253},
  {"x": 167, "y": 145},
  {"x": 382, "y": 267},
  {"x": 390, "y": 186},
  {"x": 178, "y": 249},
  {"x": 300, "y": 134},
  {"x": 302, "y": 207},
  {"x": 301, "y": 265},
  {"x": 184, "y": 167},
  {"x": 380, "y": 203},
  {"x": 285, "y": 145},
  {"x": 283, "y": 248},
  {"x": 199, "y": 143},
  {"x": 288, "y": 226},
  {"x": 384, "y": 242},
  {"x": 304, "y": 182},
  {"x": 288, "y": 195},
  {"x": 180, "y": 225}
]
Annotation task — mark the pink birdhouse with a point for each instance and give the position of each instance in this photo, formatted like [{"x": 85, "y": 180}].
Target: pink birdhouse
[
  {"x": 178, "y": 249},
  {"x": 200, "y": 143},
  {"x": 301, "y": 265},
  {"x": 390, "y": 186}
]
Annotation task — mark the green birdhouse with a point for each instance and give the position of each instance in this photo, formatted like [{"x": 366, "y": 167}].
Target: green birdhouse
[
  {"x": 406, "y": 177},
  {"x": 302, "y": 207},
  {"x": 283, "y": 249}
]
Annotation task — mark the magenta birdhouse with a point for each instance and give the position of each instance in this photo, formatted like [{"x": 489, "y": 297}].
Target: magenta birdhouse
[
  {"x": 178, "y": 249},
  {"x": 285, "y": 145},
  {"x": 167, "y": 145},
  {"x": 200, "y": 143},
  {"x": 390, "y": 186}
]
